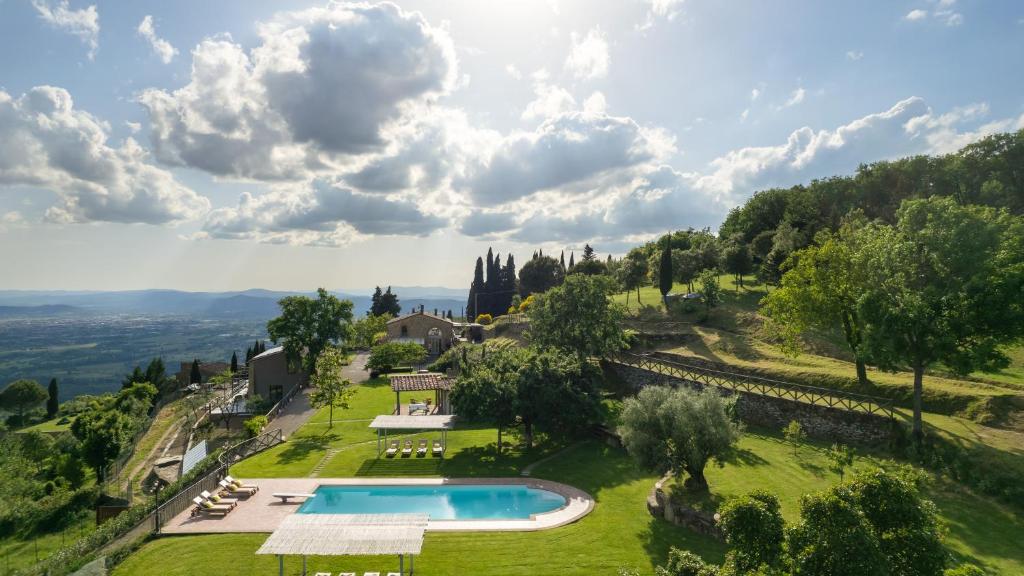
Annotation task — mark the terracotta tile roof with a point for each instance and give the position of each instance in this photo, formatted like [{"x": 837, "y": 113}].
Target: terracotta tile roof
[{"x": 419, "y": 382}]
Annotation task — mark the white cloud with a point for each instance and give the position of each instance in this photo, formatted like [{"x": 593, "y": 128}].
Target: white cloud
[
  {"x": 46, "y": 143},
  {"x": 595, "y": 104},
  {"x": 563, "y": 153},
  {"x": 944, "y": 14},
  {"x": 795, "y": 98},
  {"x": 134, "y": 127},
  {"x": 319, "y": 213},
  {"x": 660, "y": 10},
  {"x": 588, "y": 56},
  {"x": 548, "y": 101},
  {"x": 11, "y": 220},
  {"x": 161, "y": 47},
  {"x": 854, "y": 55},
  {"x": 83, "y": 23},
  {"x": 744, "y": 115},
  {"x": 755, "y": 93},
  {"x": 648, "y": 197},
  {"x": 513, "y": 72},
  {"x": 307, "y": 98}
]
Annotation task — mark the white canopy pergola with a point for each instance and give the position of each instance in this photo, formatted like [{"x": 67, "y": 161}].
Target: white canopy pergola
[
  {"x": 347, "y": 535},
  {"x": 387, "y": 422}
]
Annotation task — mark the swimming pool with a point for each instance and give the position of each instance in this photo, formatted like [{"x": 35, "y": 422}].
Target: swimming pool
[{"x": 439, "y": 502}]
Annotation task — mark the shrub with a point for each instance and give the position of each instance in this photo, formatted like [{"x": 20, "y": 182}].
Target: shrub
[
  {"x": 754, "y": 530},
  {"x": 685, "y": 563},
  {"x": 964, "y": 570},
  {"x": 794, "y": 433},
  {"x": 255, "y": 425},
  {"x": 484, "y": 319}
]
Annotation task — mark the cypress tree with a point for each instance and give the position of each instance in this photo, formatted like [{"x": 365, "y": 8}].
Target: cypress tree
[
  {"x": 195, "y": 377},
  {"x": 234, "y": 362},
  {"x": 248, "y": 354},
  {"x": 52, "y": 404},
  {"x": 490, "y": 269},
  {"x": 474, "y": 289},
  {"x": 665, "y": 274},
  {"x": 561, "y": 260},
  {"x": 572, "y": 260}
]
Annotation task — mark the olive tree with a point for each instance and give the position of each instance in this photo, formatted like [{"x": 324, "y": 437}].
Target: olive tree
[
  {"x": 678, "y": 430},
  {"x": 578, "y": 316}
]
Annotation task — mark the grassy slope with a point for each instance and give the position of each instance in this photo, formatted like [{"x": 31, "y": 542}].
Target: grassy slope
[
  {"x": 619, "y": 532},
  {"x": 733, "y": 334},
  {"x": 49, "y": 426},
  {"x": 167, "y": 416},
  {"x": 17, "y": 552}
]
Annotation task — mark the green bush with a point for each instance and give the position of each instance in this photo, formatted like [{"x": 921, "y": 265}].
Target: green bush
[
  {"x": 255, "y": 425},
  {"x": 484, "y": 319}
]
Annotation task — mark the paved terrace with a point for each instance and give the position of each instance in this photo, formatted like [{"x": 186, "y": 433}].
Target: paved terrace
[{"x": 264, "y": 513}]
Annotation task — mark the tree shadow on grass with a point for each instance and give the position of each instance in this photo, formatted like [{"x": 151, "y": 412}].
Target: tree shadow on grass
[
  {"x": 299, "y": 448},
  {"x": 661, "y": 535},
  {"x": 743, "y": 456},
  {"x": 398, "y": 466}
]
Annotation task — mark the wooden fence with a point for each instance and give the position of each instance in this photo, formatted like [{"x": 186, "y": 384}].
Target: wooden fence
[{"x": 842, "y": 400}]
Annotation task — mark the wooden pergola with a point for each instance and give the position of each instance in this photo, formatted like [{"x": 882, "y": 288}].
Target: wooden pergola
[
  {"x": 347, "y": 535},
  {"x": 439, "y": 383},
  {"x": 390, "y": 422}
]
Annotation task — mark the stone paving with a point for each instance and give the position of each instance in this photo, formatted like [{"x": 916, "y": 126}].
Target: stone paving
[{"x": 264, "y": 513}]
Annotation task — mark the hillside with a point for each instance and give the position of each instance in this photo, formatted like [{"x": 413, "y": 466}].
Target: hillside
[{"x": 734, "y": 335}]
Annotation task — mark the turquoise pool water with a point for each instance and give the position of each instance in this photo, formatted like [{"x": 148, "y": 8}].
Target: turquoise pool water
[{"x": 461, "y": 502}]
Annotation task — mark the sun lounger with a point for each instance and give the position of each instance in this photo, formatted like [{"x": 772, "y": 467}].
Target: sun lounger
[
  {"x": 207, "y": 507},
  {"x": 394, "y": 574},
  {"x": 346, "y": 574},
  {"x": 371, "y": 573},
  {"x": 407, "y": 450},
  {"x": 322, "y": 574},
  {"x": 240, "y": 485},
  {"x": 438, "y": 448},
  {"x": 284, "y": 496},
  {"x": 235, "y": 490},
  {"x": 422, "y": 449},
  {"x": 217, "y": 498},
  {"x": 393, "y": 449}
]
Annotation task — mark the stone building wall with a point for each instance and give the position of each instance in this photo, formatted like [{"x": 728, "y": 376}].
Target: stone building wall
[{"x": 819, "y": 422}]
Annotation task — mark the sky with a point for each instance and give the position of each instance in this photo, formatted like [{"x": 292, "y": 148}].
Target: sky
[{"x": 288, "y": 145}]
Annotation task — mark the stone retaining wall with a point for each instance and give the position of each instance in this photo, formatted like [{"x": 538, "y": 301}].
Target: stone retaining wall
[
  {"x": 661, "y": 506},
  {"x": 819, "y": 422}
]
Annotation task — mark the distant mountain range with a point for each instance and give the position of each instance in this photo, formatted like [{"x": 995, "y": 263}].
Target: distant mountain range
[{"x": 248, "y": 304}]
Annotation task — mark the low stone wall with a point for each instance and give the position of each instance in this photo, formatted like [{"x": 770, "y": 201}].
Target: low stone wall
[
  {"x": 661, "y": 506},
  {"x": 819, "y": 422}
]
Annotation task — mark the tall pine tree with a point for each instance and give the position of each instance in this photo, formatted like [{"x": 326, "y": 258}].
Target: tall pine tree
[
  {"x": 52, "y": 403},
  {"x": 195, "y": 377},
  {"x": 665, "y": 274},
  {"x": 234, "y": 362}
]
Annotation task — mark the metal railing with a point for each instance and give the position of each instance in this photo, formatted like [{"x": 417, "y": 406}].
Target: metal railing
[
  {"x": 842, "y": 400},
  {"x": 251, "y": 446},
  {"x": 183, "y": 500},
  {"x": 275, "y": 410}
]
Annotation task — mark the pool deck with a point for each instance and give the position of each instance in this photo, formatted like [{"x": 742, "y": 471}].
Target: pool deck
[{"x": 264, "y": 513}]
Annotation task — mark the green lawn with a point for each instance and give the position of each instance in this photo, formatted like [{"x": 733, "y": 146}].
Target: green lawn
[
  {"x": 979, "y": 530},
  {"x": 50, "y": 426},
  {"x": 618, "y": 533}
]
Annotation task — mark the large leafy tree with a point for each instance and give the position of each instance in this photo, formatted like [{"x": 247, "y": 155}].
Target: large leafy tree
[
  {"x": 678, "y": 431},
  {"x": 546, "y": 389},
  {"x": 366, "y": 330},
  {"x": 329, "y": 387},
  {"x": 578, "y": 316},
  {"x": 103, "y": 433},
  {"x": 943, "y": 285},
  {"x": 539, "y": 275},
  {"x": 834, "y": 537},
  {"x": 736, "y": 259},
  {"x": 822, "y": 290},
  {"x": 22, "y": 396},
  {"x": 389, "y": 355},
  {"x": 307, "y": 325}
]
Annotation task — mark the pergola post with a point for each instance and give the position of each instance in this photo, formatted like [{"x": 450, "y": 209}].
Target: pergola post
[
  {"x": 411, "y": 567},
  {"x": 401, "y": 564},
  {"x": 398, "y": 402},
  {"x": 280, "y": 565},
  {"x": 303, "y": 565},
  {"x": 378, "y": 443}
]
